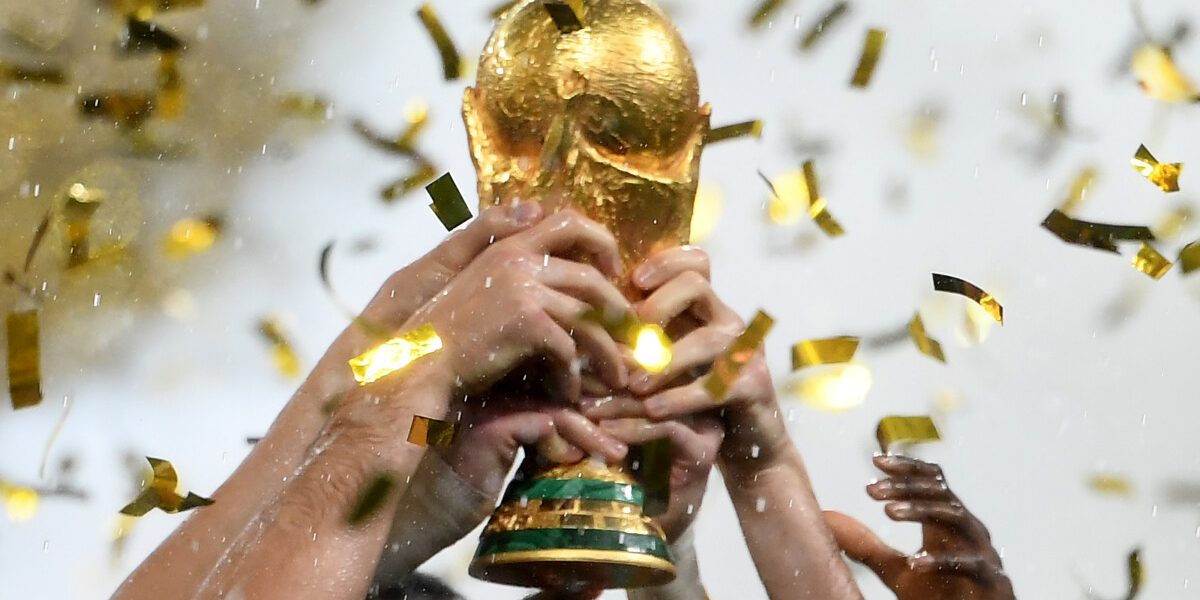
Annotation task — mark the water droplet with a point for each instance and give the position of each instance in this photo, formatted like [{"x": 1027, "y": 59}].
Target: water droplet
[
  {"x": 754, "y": 450},
  {"x": 487, "y": 283},
  {"x": 96, "y": 301},
  {"x": 760, "y": 504},
  {"x": 691, "y": 509}
]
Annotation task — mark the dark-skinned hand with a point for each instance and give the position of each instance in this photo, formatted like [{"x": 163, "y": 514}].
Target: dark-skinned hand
[{"x": 956, "y": 560}]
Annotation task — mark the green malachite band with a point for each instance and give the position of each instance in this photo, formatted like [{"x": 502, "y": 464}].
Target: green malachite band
[
  {"x": 585, "y": 539},
  {"x": 566, "y": 489}
]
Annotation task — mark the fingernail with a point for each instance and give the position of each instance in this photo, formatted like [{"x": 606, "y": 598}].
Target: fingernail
[
  {"x": 902, "y": 507},
  {"x": 642, "y": 275},
  {"x": 525, "y": 213},
  {"x": 617, "y": 450}
]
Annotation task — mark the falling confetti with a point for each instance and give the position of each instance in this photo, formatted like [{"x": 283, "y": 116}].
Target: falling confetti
[
  {"x": 927, "y": 345},
  {"x": 24, "y": 359},
  {"x": 954, "y": 285},
  {"x": 1110, "y": 484},
  {"x": 831, "y": 17},
  {"x": 834, "y": 388},
  {"x": 448, "y": 203},
  {"x": 191, "y": 236},
  {"x": 725, "y": 369},
  {"x": 1151, "y": 262},
  {"x": 371, "y": 499},
  {"x": 752, "y": 129},
  {"x": 452, "y": 67},
  {"x": 1163, "y": 175},
  {"x": 872, "y": 49},
  {"x": 1189, "y": 257},
  {"x": 160, "y": 493},
  {"x": 706, "y": 213},
  {"x": 1079, "y": 190},
  {"x": 1101, "y": 236},
  {"x": 825, "y": 351},
  {"x": 905, "y": 430},
  {"x": 395, "y": 354},
  {"x": 1159, "y": 77},
  {"x": 427, "y": 431},
  {"x": 283, "y": 354},
  {"x": 765, "y": 11}
]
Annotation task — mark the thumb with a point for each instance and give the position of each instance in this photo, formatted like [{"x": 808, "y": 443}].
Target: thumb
[
  {"x": 493, "y": 224},
  {"x": 862, "y": 545}
]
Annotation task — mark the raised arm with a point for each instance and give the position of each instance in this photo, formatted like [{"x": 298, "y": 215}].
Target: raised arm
[
  {"x": 792, "y": 547},
  {"x": 288, "y": 537}
]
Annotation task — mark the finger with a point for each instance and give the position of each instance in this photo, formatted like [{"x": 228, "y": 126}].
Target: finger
[
  {"x": 925, "y": 488},
  {"x": 975, "y": 567},
  {"x": 679, "y": 401},
  {"x": 585, "y": 282},
  {"x": 695, "y": 443},
  {"x": 862, "y": 545},
  {"x": 493, "y": 224},
  {"x": 668, "y": 264},
  {"x": 697, "y": 350},
  {"x": 612, "y": 407},
  {"x": 903, "y": 466},
  {"x": 604, "y": 353},
  {"x": 581, "y": 432},
  {"x": 688, "y": 291},
  {"x": 555, "y": 449},
  {"x": 559, "y": 347},
  {"x": 946, "y": 514},
  {"x": 569, "y": 230}
]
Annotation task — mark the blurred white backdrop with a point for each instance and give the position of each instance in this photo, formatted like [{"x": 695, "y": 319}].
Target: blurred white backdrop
[{"x": 1052, "y": 396}]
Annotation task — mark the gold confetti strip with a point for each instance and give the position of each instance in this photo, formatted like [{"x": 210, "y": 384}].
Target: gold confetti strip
[
  {"x": 954, "y": 285},
  {"x": 764, "y": 11},
  {"x": 24, "y": 359},
  {"x": 452, "y": 67},
  {"x": 1163, "y": 175},
  {"x": 427, "y": 431},
  {"x": 371, "y": 498},
  {"x": 1159, "y": 77},
  {"x": 816, "y": 208},
  {"x": 395, "y": 354},
  {"x": 725, "y": 369},
  {"x": 746, "y": 128},
  {"x": 142, "y": 36},
  {"x": 652, "y": 348},
  {"x": 824, "y": 351},
  {"x": 905, "y": 430},
  {"x": 1058, "y": 112},
  {"x": 1174, "y": 222},
  {"x": 160, "y": 493},
  {"x": 39, "y": 234},
  {"x": 1079, "y": 189},
  {"x": 1136, "y": 574},
  {"x": 82, "y": 203},
  {"x": 835, "y": 388},
  {"x": 192, "y": 236},
  {"x": 499, "y": 10},
  {"x": 1108, "y": 483},
  {"x": 1101, "y": 236},
  {"x": 128, "y": 109},
  {"x": 306, "y": 106},
  {"x": 1151, "y": 262},
  {"x": 43, "y": 74},
  {"x": 872, "y": 49},
  {"x": 706, "y": 212},
  {"x": 827, "y": 20},
  {"x": 283, "y": 356},
  {"x": 927, "y": 345},
  {"x": 417, "y": 115},
  {"x": 20, "y": 503},
  {"x": 122, "y": 528},
  {"x": 1189, "y": 257},
  {"x": 567, "y": 14},
  {"x": 422, "y": 175},
  {"x": 448, "y": 203},
  {"x": 789, "y": 197},
  {"x": 171, "y": 100},
  {"x": 922, "y": 134}
]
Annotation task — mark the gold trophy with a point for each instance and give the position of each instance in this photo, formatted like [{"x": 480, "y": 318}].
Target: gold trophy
[{"x": 592, "y": 105}]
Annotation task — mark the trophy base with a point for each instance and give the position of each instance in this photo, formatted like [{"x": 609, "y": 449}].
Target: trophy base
[{"x": 573, "y": 569}]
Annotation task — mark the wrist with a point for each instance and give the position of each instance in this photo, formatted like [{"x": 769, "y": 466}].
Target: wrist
[{"x": 746, "y": 476}]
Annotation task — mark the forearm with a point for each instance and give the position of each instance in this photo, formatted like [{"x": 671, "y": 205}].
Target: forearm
[
  {"x": 793, "y": 549},
  {"x": 280, "y": 473}
]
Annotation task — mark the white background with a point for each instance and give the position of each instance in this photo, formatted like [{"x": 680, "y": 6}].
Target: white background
[{"x": 1051, "y": 397}]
